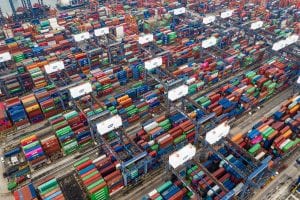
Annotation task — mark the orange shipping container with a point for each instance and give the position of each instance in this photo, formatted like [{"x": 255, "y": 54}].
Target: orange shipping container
[
  {"x": 295, "y": 109},
  {"x": 237, "y": 137},
  {"x": 287, "y": 134},
  {"x": 122, "y": 98}
]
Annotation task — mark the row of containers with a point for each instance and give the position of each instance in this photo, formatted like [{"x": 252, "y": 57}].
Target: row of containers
[
  {"x": 47, "y": 190},
  {"x": 172, "y": 190},
  {"x": 69, "y": 133}
]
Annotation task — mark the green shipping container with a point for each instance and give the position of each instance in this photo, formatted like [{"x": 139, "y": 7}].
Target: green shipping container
[
  {"x": 33, "y": 144},
  {"x": 11, "y": 185},
  {"x": 254, "y": 149},
  {"x": 154, "y": 147},
  {"x": 288, "y": 146},
  {"x": 164, "y": 186},
  {"x": 180, "y": 139},
  {"x": 101, "y": 194},
  {"x": 93, "y": 185},
  {"x": 189, "y": 171},
  {"x": 48, "y": 185}
]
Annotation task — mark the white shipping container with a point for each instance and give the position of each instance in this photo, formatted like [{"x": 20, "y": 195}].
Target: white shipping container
[
  {"x": 260, "y": 155},
  {"x": 151, "y": 142},
  {"x": 163, "y": 138},
  {"x": 284, "y": 143},
  {"x": 150, "y": 126},
  {"x": 99, "y": 158},
  {"x": 213, "y": 190}
]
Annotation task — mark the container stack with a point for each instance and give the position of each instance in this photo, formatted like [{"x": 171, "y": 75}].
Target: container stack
[
  {"x": 78, "y": 124},
  {"x": 104, "y": 83},
  {"x": 50, "y": 190},
  {"x": 71, "y": 130},
  {"x": 32, "y": 108},
  {"x": 276, "y": 135},
  {"x": 16, "y": 112},
  {"x": 60, "y": 125},
  {"x": 67, "y": 139},
  {"x": 26, "y": 192},
  {"x": 170, "y": 190},
  {"x": 83, "y": 62},
  {"x": 109, "y": 169},
  {"x": 47, "y": 103},
  {"x": 90, "y": 107},
  {"x": 18, "y": 57},
  {"x": 162, "y": 135},
  {"x": 5, "y": 123},
  {"x": 91, "y": 179},
  {"x": 134, "y": 103},
  {"x": 26, "y": 80},
  {"x": 51, "y": 146},
  {"x": 237, "y": 96},
  {"x": 13, "y": 86},
  {"x": 33, "y": 151},
  {"x": 37, "y": 77},
  {"x": 99, "y": 59}
]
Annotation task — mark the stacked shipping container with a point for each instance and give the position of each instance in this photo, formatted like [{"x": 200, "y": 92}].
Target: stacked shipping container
[
  {"x": 4, "y": 120},
  {"x": 109, "y": 169},
  {"x": 51, "y": 146},
  {"x": 161, "y": 135},
  {"x": 50, "y": 190},
  {"x": 26, "y": 192},
  {"x": 16, "y": 112},
  {"x": 170, "y": 190},
  {"x": 92, "y": 180},
  {"x": 33, "y": 151},
  {"x": 71, "y": 130},
  {"x": 276, "y": 135},
  {"x": 32, "y": 108}
]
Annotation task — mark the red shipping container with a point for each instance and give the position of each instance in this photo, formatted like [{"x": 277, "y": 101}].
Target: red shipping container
[
  {"x": 179, "y": 195},
  {"x": 107, "y": 170},
  {"x": 285, "y": 129},
  {"x": 166, "y": 142},
  {"x": 112, "y": 175},
  {"x": 84, "y": 165},
  {"x": 92, "y": 179}
]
